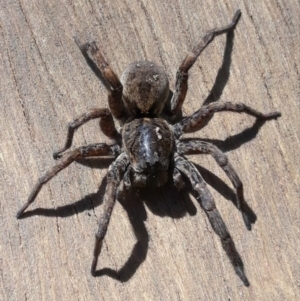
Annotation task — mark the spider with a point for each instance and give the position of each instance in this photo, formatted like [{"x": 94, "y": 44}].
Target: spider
[{"x": 147, "y": 149}]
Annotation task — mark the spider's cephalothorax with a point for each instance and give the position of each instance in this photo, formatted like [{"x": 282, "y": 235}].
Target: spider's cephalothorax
[{"x": 148, "y": 147}]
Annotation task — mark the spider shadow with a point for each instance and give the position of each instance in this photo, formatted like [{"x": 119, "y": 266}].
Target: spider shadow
[
  {"x": 163, "y": 201},
  {"x": 223, "y": 73}
]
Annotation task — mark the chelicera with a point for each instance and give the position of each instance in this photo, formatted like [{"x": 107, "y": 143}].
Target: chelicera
[{"x": 148, "y": 149}]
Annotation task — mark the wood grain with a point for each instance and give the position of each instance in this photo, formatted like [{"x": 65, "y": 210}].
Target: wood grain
[{"x": 159, "y": 245}]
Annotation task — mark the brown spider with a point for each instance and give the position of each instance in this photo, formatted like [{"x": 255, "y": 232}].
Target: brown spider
[{"x": 148, "y": 148}]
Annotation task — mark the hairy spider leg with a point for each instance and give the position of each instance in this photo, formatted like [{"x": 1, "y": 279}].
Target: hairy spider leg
[
  {"x": 177, "y": 179},
  {"x": 92, "y": 150},
  {"x": 201, "y": 147},
  {"x": 116, "y": 106},
  {"x": 200, "y": 118},
  {"x": 181, "y": 85},
  {"x": 106, "y": 122},
  {"x": 114, "y": 176},
  {"x": 208, "y": 205}
]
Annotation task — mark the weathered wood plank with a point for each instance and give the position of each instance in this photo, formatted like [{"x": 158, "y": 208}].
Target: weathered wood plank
[{"x": 164, "y": 249}]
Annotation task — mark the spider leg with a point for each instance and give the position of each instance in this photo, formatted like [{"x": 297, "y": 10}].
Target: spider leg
[
  {"x": 114, "y": 176},
  {"x": 201, "y": 147},
  {"x": 107, "y": 126},
  {"x": 92, "y": 53},
  {"x": 201, "y": 117},
  {"x": 181, "y": 85},
  {"x": 208, "y": 205},
  {"x": 99, "y": 149},
  {"x": 177, "y": 179}
]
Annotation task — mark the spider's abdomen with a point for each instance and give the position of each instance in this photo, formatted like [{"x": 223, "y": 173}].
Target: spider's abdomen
[
  {"x": 145, "y": 88},
  {"x": 149, "y": 143}
]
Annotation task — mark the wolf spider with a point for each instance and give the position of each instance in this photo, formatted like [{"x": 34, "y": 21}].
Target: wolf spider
[{"x": 148, "y": 149}]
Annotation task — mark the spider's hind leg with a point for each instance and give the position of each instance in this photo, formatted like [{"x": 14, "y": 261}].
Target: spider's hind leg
[
  {"x": 208, "y": 205},
  {"x": 201, "y": 147}
]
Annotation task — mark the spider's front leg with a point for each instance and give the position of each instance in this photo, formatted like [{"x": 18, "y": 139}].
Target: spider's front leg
[
  {"x": 114, "y": 177},
  {"x": 208, "y": 205},
  {"x": 106, "y": 123},
  {"x": 99, "y": 149},
  {"x": 201, "y": 147},
  {"x": 182, "y": 73}
]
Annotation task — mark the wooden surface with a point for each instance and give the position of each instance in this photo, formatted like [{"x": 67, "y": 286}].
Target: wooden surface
[{"x": 159, "y": 244}]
